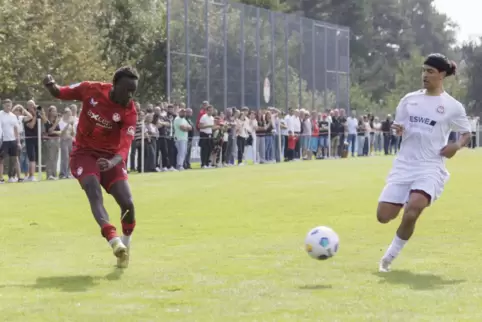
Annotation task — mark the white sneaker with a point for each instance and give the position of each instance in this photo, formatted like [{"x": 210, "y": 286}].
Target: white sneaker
[
  {"x": 384, "y": 266},
  {"x": 123, "y": 262},
  {"x": 12, "y": 180}
]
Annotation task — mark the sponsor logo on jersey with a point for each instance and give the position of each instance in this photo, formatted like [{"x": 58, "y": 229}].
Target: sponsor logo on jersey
[
  {"x": 99, "y": 120},
  {"x": 421, "y": 124}
]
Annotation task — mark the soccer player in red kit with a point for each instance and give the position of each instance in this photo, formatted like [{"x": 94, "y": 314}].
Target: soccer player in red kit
[{"x": 104, "y": 134}]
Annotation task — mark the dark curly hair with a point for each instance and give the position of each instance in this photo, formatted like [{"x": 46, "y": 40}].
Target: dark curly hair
[{"x": 126, "y": 71}]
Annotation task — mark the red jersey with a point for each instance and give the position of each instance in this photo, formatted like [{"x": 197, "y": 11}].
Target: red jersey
[
  {"x": 201, "y": 113},
  {"x": 104, "y": 126}
]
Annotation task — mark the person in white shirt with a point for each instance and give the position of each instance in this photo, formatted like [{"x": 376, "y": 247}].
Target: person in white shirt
[
  {"x": 425, "y": 118},
  {"x": 288, "y": 120},
  {"x": 352, "y": 126},
  {"x": 67, "y": 135},
  {"x": 206, "y": 124},
  {"x": 10, "y": 141}
]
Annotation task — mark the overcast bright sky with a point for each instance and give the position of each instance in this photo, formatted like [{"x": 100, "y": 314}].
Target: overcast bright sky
[{"x": 466, "y": 13}]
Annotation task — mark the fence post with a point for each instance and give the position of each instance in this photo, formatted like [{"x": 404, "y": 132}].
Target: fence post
[{"x": 39, "y": 139}]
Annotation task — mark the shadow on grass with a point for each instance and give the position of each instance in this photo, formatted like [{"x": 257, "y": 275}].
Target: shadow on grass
[
  {"x": 416, "y": 281},
  {"x": 315, "y": 287},
  {"x": 75, "y": 283}
]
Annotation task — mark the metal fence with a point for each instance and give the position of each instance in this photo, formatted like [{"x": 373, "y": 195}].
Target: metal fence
[{"x": 238, "y": 55}]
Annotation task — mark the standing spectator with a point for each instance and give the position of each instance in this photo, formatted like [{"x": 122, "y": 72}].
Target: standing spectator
[
  {"x": 22, "y": 116},
  {"x": 387, "y": 133},
  {"x": 52, "y": 143},
  {"x": 261, "y": 138},
  {"x": 335, "y": 127},
  {"x": 242, "y": 134},
  {"x": 162, "y": 153},
  {"x": 324, "y": 127},
  {"x": 352, "y": 125},
  {"x": 181, "y": 135},
  {"x": 361, "y": 136},
  {"x": 307, "y": 130},
  {"x": 190, "y": 135},
  {"x": 150, "y": 143},
  {"x": 202, "y": 111},
  {"x": 171, "y": 145},
  {"x": 10, "y": 142},
  {"x": 315, "y": 136},
  {"x": 377, "y": 141},
  {"x": 252, "y": 126},
  {"x": 206, "y": 124},
  {"x": 136, "y": 147},
  {"x": 285, "y": 132},
  {"x": 474, "y": 124},
  {"x": 297, "y": 132},
  {"x": 269, "y": 138},
  {"x": 67, "y": 134},
  {"x": 31, "y": 137}
]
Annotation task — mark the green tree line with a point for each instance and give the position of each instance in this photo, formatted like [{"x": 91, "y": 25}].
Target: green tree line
[{"x": 77, "y": 40}]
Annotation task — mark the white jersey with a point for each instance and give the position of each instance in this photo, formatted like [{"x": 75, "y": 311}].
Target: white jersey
[{"x": 427, "y": 121}]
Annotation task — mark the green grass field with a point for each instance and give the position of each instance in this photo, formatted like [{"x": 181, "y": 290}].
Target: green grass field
[{"x": 227, "y": 245}]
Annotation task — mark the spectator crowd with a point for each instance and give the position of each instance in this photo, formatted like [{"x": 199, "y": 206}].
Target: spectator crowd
[{"x": 168, "y": 137}]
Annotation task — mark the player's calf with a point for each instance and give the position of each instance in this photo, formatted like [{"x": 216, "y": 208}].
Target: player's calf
[
  {"x": 418, "y": 201},
  {"x": 387, "y": 211}
]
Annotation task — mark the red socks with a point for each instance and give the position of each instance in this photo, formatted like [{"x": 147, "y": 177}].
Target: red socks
[
  {"x": 128, "y": 229},
  {"x": 108, "y": 231}
]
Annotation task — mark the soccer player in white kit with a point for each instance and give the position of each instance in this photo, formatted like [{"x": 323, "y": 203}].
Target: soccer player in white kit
[{"x": 424, "y": 119}]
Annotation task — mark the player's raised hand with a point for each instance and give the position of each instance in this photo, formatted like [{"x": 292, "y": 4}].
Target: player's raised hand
[
  {"x": 48, "y": 80},
  {"x": 450, "y": 150},
  {"x": 398, "y": 128},
  {"x": 104, "y": 164}
]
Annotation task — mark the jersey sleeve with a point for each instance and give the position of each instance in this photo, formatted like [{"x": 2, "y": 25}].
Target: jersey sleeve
[
  {"x": 459, "y": 121},
  {"x": 127, "y": 134},
  {"x": 73, "y": 92},
  {"x": 401, "y": 112}
]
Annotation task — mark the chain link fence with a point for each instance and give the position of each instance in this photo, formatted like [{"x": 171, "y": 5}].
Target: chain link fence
[{"x": 232, "y": 54}]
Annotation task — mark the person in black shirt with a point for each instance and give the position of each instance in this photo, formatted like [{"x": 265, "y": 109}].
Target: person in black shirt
[
  {"x": 387, "y": 131},
  {"x": 335, "y": 135},
  {"x": 190, "y": 135},
  {"x": 324, "y": 126}
]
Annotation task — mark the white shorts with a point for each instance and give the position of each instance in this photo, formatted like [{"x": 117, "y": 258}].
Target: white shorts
[{"x": 398, "y": 192}]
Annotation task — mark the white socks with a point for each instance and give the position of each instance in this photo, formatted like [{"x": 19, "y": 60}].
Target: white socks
[
  {"x": 113, "y": 240},
  {"x": 394, "y": 249}
]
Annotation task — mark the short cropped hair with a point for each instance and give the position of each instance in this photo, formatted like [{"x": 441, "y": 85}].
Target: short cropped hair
[{"x": 126, "y": 71}]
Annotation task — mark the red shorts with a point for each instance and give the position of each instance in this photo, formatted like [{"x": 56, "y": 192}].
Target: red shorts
[{"x": 84, "y": 163}]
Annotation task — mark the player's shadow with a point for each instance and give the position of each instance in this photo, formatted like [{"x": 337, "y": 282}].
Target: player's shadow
[
  {"x": 75, "y": 283},
  {"x": 315, "y": 287},
  {"x": 416, "y": 281}
]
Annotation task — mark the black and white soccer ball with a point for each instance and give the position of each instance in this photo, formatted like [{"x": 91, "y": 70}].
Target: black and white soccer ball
[{"x": 322, "y": 243}]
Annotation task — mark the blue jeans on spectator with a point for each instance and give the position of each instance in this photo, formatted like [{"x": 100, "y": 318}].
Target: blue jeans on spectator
[
  {"x": 23, "y": 162},
  {"x": 378, "y": 142},
  {"x": 352, "y": 143},
  {"x": 269, "y": 139},
  {"x": 260, "y": 148}
]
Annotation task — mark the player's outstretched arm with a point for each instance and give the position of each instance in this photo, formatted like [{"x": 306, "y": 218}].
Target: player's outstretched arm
[
  {"x": 73, "y": 92},
  {"x": 51, "y": 86}
]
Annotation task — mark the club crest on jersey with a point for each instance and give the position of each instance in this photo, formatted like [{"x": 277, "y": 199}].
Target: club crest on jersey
[
  {"x": 79, "y": 171},
  {"x": 440, "y": 109},
  {"x": 131, "y": 131},
  {"x": 93, "y": 102},
  {"x": 116, "y": 117}
]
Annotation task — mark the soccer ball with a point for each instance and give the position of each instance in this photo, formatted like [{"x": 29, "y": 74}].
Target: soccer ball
[{"x": 321, "y": 243}]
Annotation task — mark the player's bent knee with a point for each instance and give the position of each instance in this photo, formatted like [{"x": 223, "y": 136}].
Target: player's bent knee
[
  {"x": 127, "y": 204},
  {"x": 92, "y": 188},
  {"x": 386, "y": 212}
]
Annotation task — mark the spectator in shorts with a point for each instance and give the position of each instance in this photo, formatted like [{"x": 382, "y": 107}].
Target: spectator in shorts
[
  {"x": 315, "y": 136},
  {"x": 31, "y": 138},
  {"x": 10, "y": 142},
  {"x": 22, "y": 116}
]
